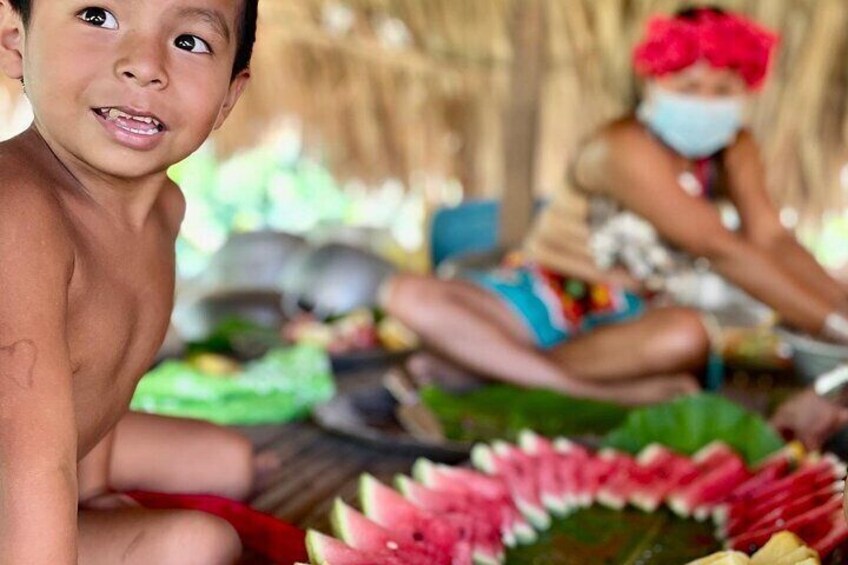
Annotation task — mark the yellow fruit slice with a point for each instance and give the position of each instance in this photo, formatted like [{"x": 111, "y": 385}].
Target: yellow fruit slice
[
  {"x": 395, "y": 336},
  {"x": 779, "y": 545},
  {"x": 797, "y": 556},
  {"x": 215, "y": 365},
  {"x": 723, "y": 558}
]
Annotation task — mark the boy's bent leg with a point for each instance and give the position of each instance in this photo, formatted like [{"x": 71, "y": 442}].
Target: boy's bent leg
[
  {"x": 137, "y": 536},
  {"x": 664, "y": 341},
  {"x": 162, "y": 454}
]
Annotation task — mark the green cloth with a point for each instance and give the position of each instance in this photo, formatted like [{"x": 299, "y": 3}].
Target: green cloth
[{"x": 281, "y": 386}]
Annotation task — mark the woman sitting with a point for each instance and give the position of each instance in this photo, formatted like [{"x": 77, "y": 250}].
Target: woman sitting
[{"x": 651, "y": 199}]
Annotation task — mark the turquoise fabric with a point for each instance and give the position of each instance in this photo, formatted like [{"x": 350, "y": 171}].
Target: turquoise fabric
[{"x": 515, "y": 287}]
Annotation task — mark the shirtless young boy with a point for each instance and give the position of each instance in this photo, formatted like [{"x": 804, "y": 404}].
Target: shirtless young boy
[{"x": 120, "y": 90}]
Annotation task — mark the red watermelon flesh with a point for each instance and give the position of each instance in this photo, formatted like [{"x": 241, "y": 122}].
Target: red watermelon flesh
[
  {"x": 480, "y": 524},
  {"x": 780, "y": 516},
  {"x": 486, "y": 488},
  {"x": 362, "y": 534},
  {"x": 593, "y": 473},
  {"x": 810, "y": 525},
  {"x": 711, "y": 455},
  {"x": 705, "y": 491},
  {"x": 771, "y": 470},
  {"x": 552, "y": 483},
  {"x": 577, "y": 472},
  {"x": 615, "y": 490},
  {"x": 832, "y": 538},
  {"x": 326, "y": 550},
  {"x": 389, "y": 509},
  {"x": 809, "y": 478},
  {"x": 661, "y": 472},
  {"x": 519, "y": 473}
]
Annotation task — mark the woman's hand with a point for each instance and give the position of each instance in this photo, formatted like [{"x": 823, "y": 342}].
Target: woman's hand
[{"x": 809, "y": 418}]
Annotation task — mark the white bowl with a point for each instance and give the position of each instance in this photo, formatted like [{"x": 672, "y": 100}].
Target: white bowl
[{"x": 813, "y": 357}]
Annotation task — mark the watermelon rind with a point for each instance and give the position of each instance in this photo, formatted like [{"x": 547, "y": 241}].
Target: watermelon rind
[
  {"x": 314, "y": 543},
  {"x": 483, "y": 458}
]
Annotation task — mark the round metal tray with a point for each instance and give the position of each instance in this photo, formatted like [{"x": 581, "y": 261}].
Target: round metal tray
[{"x": 368, "y": 415}]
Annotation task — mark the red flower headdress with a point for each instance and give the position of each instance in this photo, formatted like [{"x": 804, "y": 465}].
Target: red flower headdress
[{"x": 723, "y": 39}]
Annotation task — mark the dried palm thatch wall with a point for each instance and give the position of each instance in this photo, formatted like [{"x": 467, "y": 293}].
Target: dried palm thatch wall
[
  {"x": 435, "y": 108},
  {"x": 432, "y": 105}
]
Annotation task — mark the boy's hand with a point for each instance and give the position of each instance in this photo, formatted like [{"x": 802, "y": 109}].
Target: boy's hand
[{"x": 810, "y": 418}]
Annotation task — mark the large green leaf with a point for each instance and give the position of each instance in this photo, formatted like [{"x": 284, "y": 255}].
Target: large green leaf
[
  {"x": 501, "y": 411},
  {"x": 608, "y": 537},
  {"x": 688, "y": 424}
]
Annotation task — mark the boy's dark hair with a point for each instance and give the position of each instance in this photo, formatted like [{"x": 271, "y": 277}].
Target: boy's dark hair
[{"x": 246, "y": 29}]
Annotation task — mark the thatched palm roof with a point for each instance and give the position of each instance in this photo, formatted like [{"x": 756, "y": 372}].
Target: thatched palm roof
[{"x": 435, "y": 106}]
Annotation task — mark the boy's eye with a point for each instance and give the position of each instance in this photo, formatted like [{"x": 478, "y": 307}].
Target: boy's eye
[
  {"x": 98, "y": 17},
  {"x": 192, "y": 43}
]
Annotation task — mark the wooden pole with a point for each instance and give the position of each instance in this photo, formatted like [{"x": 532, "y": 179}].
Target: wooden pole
[{"x": 521, "y": 127}]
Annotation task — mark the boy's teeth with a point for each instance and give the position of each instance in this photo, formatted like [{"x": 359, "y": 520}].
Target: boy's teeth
[{"x": 113, "y": 114}]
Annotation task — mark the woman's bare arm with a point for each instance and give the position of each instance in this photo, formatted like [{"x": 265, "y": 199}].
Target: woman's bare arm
[
  {"x": 38, "y": 435},
  {"x": 639, "y": 172},
  {"x": 761, "y": 222}
]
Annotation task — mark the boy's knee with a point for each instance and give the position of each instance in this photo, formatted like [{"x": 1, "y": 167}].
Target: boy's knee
[
  {"x": 237, "y": 468},
  {"x": 195, "y": 537}
]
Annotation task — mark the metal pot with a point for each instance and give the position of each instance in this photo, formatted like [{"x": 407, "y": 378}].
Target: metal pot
[
  {"x": 333, "y": 279},
  {"x": 252, "y": 261},
  {"x": 197, "y": 319}
]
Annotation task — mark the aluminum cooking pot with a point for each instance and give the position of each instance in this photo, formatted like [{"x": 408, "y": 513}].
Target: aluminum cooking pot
[
  {"x": 333, "y": 279},
  {"x": 252, "y": 261}
]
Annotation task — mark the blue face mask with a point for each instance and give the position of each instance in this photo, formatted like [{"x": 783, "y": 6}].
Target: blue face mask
[{"x": 693, "y": 126}]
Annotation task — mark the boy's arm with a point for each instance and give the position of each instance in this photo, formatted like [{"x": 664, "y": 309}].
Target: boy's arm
[
  {"x": 38, "y": 434},
  {"x": 761, "y": 222},
  {"x": 638, "y": 173}
]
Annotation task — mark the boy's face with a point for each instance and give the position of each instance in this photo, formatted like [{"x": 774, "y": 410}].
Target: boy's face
[{"x": 129, "y": 87}]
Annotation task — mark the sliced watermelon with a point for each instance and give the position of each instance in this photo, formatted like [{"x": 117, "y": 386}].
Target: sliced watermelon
[
  {"x": 779, "y": 516},
  {"x": 833, "y": 537},
  {"x": 620, "y": 482},
  {"x": 769, "y": 471},
  {"x": 662, "y": 471},
  {"x": 810, "y": 525},
  {"x": 360, "y": 533},
  {"x": 518, "y": 472},
  {"x": 325, "y": 550},
  {"x": 578, "y": 471},
  {"x": 482, "y": 522},
  {"x": 552, "y": 483},
  {"x": 708, "y": 489},
  {"x": 809, "y": 478},
  {"x": 593, "y": 472},
  {"x": 515, "y": 528},
  {"x": 389, "y": 509}
]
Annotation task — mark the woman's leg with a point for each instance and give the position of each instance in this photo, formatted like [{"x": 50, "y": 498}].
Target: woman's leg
[
  {"x": 479, "y": 332},
  {"x": 175, "y": 455},
  {"x": 664, "y": 341},
  {"x": 138, "y": 536},
  {"x": 470, "y": 327}
]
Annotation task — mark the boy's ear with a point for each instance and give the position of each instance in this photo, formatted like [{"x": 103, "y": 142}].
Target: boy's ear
[
  {"x": 237, "y": 86},
  {"x": 11, "y": 41}
]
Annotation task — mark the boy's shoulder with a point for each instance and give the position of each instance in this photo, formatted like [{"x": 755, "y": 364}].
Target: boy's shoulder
[{"x": 28, "y": 200}]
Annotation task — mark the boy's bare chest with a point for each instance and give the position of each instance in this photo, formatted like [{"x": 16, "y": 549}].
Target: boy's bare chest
[{"x": 119, "y": 308}]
